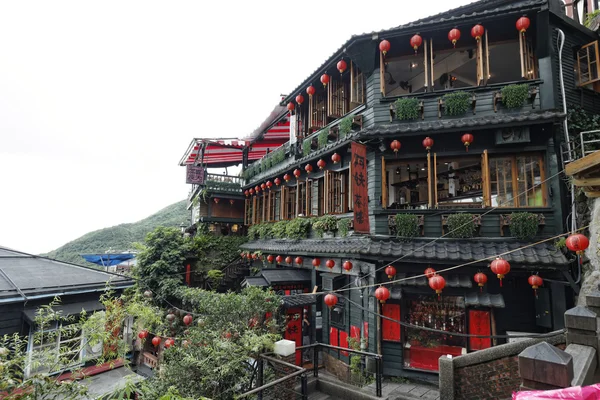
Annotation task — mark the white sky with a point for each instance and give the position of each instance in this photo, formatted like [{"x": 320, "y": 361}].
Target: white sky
[{"x": 98, "y": 100}]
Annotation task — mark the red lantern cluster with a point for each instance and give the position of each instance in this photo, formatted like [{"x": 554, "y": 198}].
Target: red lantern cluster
[
  {"x": 523, "y": 24},
  {"x": 477, "y": 32},
  {"x": 299, "y": 99},
  {"x": 390, "y": 271},
  {"x": 437, "y": 283},
  {"x": 310, "y": 90},
  {"x": 288, "y": 259},
  {"x": 395, "y": 145},
  {"x": 415, "y": 42},
  {"x": 428, "y": 143},
  {"x": 347, "y": 266},
  {"x": 500, "y": 267},
  {"x": 187, "y": 320},
  {"x": 308, "y": 168},
  {"x": 467, "y": 140},
  {"x": 330, "y": 300},
  {"x": 321, "y": 163},
  {"x": 330, "y": 264},
  {"x": 454, "y": 36},
  {"x": 325, "y": 79},
  {"x": 577, "y": 243},
  {"x": 336, "y": 158},
  {"x": 481, "y": 279},
  {"x": 535, "y": 281},
  {"x": 382, "y": 294},
  {"x": 316, "y": 262},
  {"x": 429, "y": 272},
  {"x": 341, "y": 66},
  {"x": 384, "y": 46}
]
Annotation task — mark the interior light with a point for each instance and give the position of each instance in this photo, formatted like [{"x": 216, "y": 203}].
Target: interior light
[{"x": 422, "y": 169}]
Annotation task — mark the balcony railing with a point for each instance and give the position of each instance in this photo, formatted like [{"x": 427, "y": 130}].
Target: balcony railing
[{"x": 223, "y": 183}]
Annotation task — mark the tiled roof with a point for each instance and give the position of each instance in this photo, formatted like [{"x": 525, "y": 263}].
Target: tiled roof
[
  {"x": 454, "y": 281},
  {"x": 419, "y": 250},
  {"x": 299, "y": 301},
  {"x": 484, "y": 300},
  {"x": 487, "y": 121}
]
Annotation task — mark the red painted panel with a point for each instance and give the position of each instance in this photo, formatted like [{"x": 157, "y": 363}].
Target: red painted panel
[
  {"x": 390, "y": 330},
  {"x": 479, "y": 324},
  {"x": 344, "y": 342},
  {"x": 333, "y": 336},
  {"x": 293, "y": 330},
  {"x": 359, "y": 188},
  {"x": 366, "y": 331},
  {"x": 355, "y": 332}
]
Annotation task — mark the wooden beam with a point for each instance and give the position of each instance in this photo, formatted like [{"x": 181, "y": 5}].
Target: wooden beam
[
  {"x": 587, "y": 181},
  {"x": 592, "y": 194},
  {"x": 587, "y": 162}
]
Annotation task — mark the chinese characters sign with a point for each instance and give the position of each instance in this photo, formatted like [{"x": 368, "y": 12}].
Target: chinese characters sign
[
  {"x": 194, "y": 175},
  {"x": 360, "y": 188}
]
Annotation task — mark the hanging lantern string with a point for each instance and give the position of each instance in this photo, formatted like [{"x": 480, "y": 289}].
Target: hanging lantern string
[{"x": 459, "y": 227}]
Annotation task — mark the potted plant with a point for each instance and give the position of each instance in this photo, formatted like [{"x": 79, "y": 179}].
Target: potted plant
[
  {"x": 461, "y": 226},
  {"x": 524, "y": 225},
  {"x": 407, "y": 109}
]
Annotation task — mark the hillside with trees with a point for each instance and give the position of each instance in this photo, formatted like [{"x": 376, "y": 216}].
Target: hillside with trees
[{"x": 120, "y": 237}]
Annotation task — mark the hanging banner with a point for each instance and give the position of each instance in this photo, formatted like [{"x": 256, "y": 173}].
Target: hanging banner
[
  {"x": 194, "y": 175},
  {"x": 360, "y": 185}
]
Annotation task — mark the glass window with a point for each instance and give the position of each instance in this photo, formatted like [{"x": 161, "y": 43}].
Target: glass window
[
  {"x": 517, "y": 181},
  {"x": 53, "y": 350},
  {"x": 501, "y": 179}
]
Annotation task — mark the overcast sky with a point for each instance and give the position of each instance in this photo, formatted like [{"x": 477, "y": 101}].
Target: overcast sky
[{"x": 99, "y": 100}]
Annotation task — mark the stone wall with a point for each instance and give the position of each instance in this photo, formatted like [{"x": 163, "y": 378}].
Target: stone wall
[
  {"x": 486, "y": 374},
  {"x": 589, "y": 211},
  {"x": 336, "y": 367}
]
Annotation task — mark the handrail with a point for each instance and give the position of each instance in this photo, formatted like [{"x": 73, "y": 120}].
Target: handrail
[
  {"x": 270, "y": 384},
  {"x": 362, "y": 353},
  {"x": 583, "y": 142}
]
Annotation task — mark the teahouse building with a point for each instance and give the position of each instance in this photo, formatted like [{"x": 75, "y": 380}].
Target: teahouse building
[{"x": 435, "y": 144}]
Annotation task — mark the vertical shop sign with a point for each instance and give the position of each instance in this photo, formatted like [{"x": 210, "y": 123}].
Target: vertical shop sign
[{"x": 360, "y": 188}]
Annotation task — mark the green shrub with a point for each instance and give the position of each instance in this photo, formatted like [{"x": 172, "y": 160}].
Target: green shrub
[
  {"x": 297, "y": 228},
  {"x": 306, "y": 147},
  {"x": 322, "y": 138},
  {"x": 407, "y": 225},
  {"x": 215, "y": 275},
  {"x": 461, "y": 226},
  {"x": 343, "y": 226},
  {"x": 278, "y": 231},
  {"x": 456, "y": 103},
  {"x": 407, "y": 109},
  {"x": 278, "y": 156},
  {"x": 524, "y": 225},
  {"x": 326, "y": 223},
  {"x": 345, "y": 126},
  {"x": 264, "y": 230},
  {"x": 513, "y": 96}
]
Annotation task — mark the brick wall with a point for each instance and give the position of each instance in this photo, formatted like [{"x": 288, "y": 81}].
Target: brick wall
[{"x": 336, "y": 367}]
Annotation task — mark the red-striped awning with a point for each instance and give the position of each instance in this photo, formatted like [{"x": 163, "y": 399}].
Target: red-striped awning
[{"x": 229, "y": 152}]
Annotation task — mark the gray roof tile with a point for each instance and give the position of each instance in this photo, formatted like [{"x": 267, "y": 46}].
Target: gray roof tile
[{"x": 484, "y": 300}]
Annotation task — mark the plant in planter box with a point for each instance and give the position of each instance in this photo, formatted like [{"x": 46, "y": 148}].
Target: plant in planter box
[
  {"x": 343, "y": 226},
  {"x": 306, "y": 147},
  {"x": 326, "y": 223},
  {"x": 407, "y": 225},
  {"x": 461, "y": 226},
  {"x": 278, "y": 231},
  {"x": 513, "y": 96},
  {"x": 456, "y": 103},
  {"x": 278, "y": 156},
  {"x": 322, "y": 138},
  {"x": 345, "y": 126},
  {"x": 524, "y": 225},
  {"x": 407, "y": 109},
  {"x": 264, "y": 230},
  {"x": 297, "y": 228}
]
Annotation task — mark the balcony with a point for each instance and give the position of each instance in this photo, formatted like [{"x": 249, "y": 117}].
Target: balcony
[{"x": 223, "y": 183}]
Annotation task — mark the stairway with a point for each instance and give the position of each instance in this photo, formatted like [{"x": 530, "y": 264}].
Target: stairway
[
  {"x": 316, "y": 395},
  {"x": 233, "y": 276}
]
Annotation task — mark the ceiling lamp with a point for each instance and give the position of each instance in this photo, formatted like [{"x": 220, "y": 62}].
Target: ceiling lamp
[
  {"x": 269, "y": 184},
  {"x": 288, "y": 260},
  {"x": 279, "y": 259},
  {"x": 298, "y": 260},
  {"x": 287, "y": 177},
  {"x": 316, "y": 262},
  {"x": 216, "y": 200},
  {"x": 277, "y": 181},
  {"x": 270, "y": 258},
  {"x": 395, "y": 145},
  {"x": 330, "y": 264}
]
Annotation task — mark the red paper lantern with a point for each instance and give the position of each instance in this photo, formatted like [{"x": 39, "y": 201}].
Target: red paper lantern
[
  {"x": 270, "y": 258},
  {"x": 291, "y": 106},
  {"x": 481, "y": 279},
  {"x": 331, "y": 300},
  {"x": 257, "y": 189},
  {"x": 523, "y": 24},
  {"x": 324, "y": 79},
  {"x": 277, "y": 181},
  {"x": 310, "y": 90},
  {"x": 246, "y": 192},
  {"x": 143, "y": 334},
  {"x": 384, "y": 46},
  {"x": 169, "y": 342},
  {"x": 437, "y": 283},
  {"x": 336, "y": 158},
  {"x": 287, "y": 177},
  {"x": 535, "y": 281},
  {"x": 269, "y": 184},
  {"x": 395, "y": 145},
  {"x": 477, "y": 32},
  {"x": 577, "y": 243},
  {"x": 316, "y": 262},
  {"x": 341, "y": 66},
  {"x": 279, "y": 259},
  {"x": 298, "y": 260},
  {"x": 297, "y": 173},
  {"x": 288, "y": 260},
  {"x": 156, "y": 341},
  {"x": 415, "y": 42},
  {"x": 347, "y": 265},
  {"x": 216, "y": 200},
  {"x": 308, "y": 168},
  {"x": 321, "y": 163},
  {"x": 429, "y": 272},
  {"x": 453, "y": 36},
  {"x": 299, "y": 99},
  {"x": 231, "y": 201},
  {"x": 382, "y": 294},
  {"x": 330, "y": 264},
  {"x": 251, "y": 191},
  {"x": 188, "y": 319},
  {"x": 390, "y": 271},
  {"x": 428, "y": 143},
  {"x": 263, "y": 186},
  {"x": 500, "y": 267},
  {"x": 467, "y": 140}
]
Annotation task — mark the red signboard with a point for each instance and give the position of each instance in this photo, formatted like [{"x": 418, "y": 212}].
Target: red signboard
[
  {"x": 390, "y": 329},
  {"x": 360, "y": 192},
  {"x": 194, "y": 174},
  {"x": 479, "y": 324}
]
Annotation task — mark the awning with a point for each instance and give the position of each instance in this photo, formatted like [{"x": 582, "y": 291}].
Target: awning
[
  {"x": 67, "y": 309},
  {"x": 484, "y": 300},
  {"x": 275, "y": 276},
  {"x": 258, "y": 281},
  {"x": 108, "y": 260},
  {"x": 299, "y": 301}
]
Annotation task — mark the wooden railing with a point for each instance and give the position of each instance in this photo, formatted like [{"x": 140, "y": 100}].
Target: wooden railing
[{"x": 149, "y": 360}]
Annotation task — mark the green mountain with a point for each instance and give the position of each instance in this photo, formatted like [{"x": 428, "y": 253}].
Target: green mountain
[{"x": 120, "y": 237}]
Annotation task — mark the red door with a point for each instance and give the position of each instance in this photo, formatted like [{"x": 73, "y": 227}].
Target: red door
[
  {"x": 293, "y": 330},
  {"x": 479, "y": 324}
]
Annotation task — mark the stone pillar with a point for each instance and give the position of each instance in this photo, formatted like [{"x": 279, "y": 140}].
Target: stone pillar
[
  {"x": 582, "y": 323},
  {"x": 545, "y": 367}
]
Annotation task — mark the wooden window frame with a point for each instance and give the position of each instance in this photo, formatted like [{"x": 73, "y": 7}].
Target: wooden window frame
[
  {"x": 357, "y": 87},
  {"x": 336, "y": 197},
  {"x": 529, "y": 68},
  {"x": 482, "y": 54},
  {"x": 317, "y": 111},
  {"x": 338, "y": 101},
  {"x": 596, "y": 65}
]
